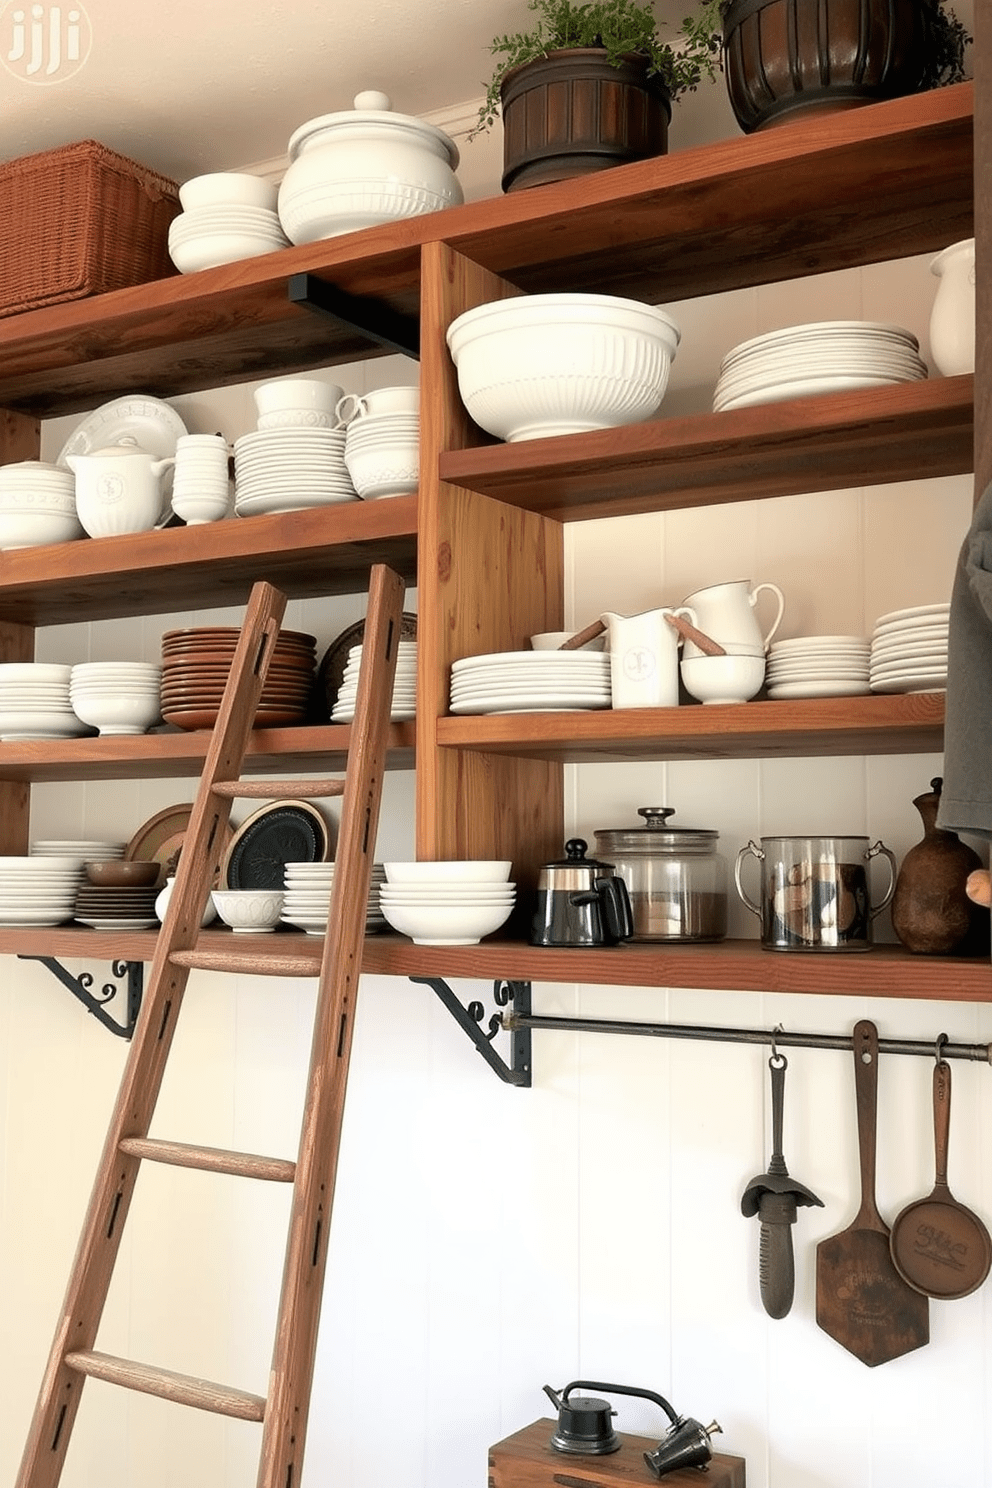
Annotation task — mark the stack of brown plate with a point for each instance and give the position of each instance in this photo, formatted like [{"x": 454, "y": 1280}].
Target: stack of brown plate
[
  {"x": 195, "y": 667},
  {"x": 115, "y": 908}
]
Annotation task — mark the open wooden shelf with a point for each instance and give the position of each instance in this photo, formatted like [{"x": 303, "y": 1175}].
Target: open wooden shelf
[
  {"x": 730, "y": 965},
  {"x": 328, "y": 550},
  {"x": 910, "y": 431},
  {"x": 314, "y": 748},
  {"x": 910, "y": 723},
  {"x": 812, "y": 196}
]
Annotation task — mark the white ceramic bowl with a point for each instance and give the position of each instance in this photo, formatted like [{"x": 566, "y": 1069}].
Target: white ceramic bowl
[
  {"x": 538, "y": 365},
  {"x": 223, "y": 188},
  {"x": 37, "y": 527},
  {"x": 212, "y": 249},
  {"x": 127, "y": 711},
  {"x": 551, "y": 640},
  {"x": 384, "y": 469},
  {"x": 452, "y": 870},
  {"x": 254, "y": 911},
  {"x": 723, "y": 679},
  {"x": 446, "y": 924}
]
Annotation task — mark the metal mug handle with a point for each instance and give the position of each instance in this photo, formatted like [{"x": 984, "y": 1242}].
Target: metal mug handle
[
  {"x": 752, "y": 600},
  {"x": 877, "y": 849},
  {"x": 755, "y": 851}
]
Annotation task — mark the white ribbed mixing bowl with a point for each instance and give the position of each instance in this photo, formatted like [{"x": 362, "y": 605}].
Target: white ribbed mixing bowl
[{"x": 538, "y": 365}]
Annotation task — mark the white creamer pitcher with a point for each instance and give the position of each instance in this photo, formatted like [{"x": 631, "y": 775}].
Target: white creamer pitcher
[
  {"x": 726, "y": 614},
  {"x": 952, "y": 319},
  {"x": 644, "y": 657},
  {"x": 119, "y": 489}
]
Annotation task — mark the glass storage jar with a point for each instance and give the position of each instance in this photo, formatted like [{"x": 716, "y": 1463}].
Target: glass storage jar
[{"x": 676, "y": 879}]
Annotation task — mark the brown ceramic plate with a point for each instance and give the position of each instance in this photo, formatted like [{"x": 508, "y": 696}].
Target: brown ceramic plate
[{"x": 161, "y": 837}]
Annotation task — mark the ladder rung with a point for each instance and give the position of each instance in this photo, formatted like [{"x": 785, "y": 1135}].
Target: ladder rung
[
  {"x": 184, "y": 1389},
  {"x": 210, "y": 1159},
  {"x": 306, "y": 965},
  {"x": 279, "y": 789}
]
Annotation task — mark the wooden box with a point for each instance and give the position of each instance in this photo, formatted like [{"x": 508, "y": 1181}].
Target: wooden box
[{"x": 526, "y": 1460}]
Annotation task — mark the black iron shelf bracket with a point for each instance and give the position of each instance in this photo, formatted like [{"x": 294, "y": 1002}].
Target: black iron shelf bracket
[
  {"x": 505, "y": 994},
  {"x": 131, "y": 972},
  {"x": 776, "y": 1038},
  {"x": 370, "y": 318}
]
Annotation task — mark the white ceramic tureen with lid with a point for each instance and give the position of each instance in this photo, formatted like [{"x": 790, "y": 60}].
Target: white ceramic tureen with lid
[{"x": 364, "y": 166}]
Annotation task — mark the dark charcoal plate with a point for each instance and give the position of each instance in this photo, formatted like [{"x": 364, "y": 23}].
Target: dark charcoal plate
[{"x": 280, "y": 833}]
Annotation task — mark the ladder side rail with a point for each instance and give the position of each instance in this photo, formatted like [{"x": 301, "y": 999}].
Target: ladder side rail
[
  {"x": 294, "y": 1348},
  {"x": 99, "y": 1242}
]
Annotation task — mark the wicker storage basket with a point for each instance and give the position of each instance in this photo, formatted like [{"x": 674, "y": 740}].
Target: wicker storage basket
[{"x": 78, "y": 221}]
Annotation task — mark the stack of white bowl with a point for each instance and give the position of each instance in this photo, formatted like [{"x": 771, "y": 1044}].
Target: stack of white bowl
[
  {"x": 37, "y": 505},
  {"x": 404, "y": 704},
  {"x": 909, "y": 649},
  {"x": 307, "y": 899},
  {"x": 117, "y": 697},
  {"x": 226, "y": 216},
  {"x": 447, "y": 903},
  {"x": 294, "y": 460},
  {"x": 818, "y": 666},
  {"x": 35, "y": 703},
  {"x": 382, "y": 446},
  {"x": 38, "y": 890},
  {"x": 201, "y": 488}
]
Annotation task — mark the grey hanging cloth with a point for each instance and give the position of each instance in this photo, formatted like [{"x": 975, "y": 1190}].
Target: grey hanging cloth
[{"x": 966, "y": 800}]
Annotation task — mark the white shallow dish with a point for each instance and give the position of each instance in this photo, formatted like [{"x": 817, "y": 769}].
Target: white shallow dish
[{"x": 785, "y": 690}]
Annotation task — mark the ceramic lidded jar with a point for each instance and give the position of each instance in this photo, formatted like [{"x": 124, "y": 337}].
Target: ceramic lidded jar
[{"x": 364, "y": 166}]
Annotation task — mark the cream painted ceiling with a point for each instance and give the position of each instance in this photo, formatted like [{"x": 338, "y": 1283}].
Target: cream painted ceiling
[{"x": 192, "y": 85}]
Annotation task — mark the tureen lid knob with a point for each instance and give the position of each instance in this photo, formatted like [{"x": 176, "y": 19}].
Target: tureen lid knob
[{"x": 372, "y": 99}]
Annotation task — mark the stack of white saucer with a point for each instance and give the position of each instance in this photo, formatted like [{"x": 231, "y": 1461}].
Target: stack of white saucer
[
  {"x": 290, "y": 469},
  {"x": 909, "y": 650},
  {"x": 404, "y": 686},
  {"x": 818, "y": 666},
  {"x": 531, "y": 682},
  {"x": 307, "y": 899}
]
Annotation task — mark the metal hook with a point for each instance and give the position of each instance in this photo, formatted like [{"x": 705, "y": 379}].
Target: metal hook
[
  {"x": 939, "y": 1043},
  {"x": 777, "y": 1061}
]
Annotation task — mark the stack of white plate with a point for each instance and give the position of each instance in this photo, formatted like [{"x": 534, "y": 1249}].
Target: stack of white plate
[
  {"x": 38, "y": 890},
  {"x": 291, "y": 469},
  {"x": 404, "y": 704},
  {"x": 87, "y": 851},
  {"x": 531, "y": 682},
  {"x": 203, "y": 237},
  {"x": 308, "y": 897},
  {"x": 34, "y": 702},
  {"x": 818, "y": 666},
  {"x": 909, "y": 650},
  {"x": 826, "y": 356}
]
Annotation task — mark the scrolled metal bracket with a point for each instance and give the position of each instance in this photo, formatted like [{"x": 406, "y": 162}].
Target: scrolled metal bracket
[
  {"x": 518, "y": 1071},
  {"x": 132, "y": 971}
]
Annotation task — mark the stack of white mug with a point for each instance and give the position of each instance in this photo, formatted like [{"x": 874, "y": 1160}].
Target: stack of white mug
[{"x": 201, "y": 488}]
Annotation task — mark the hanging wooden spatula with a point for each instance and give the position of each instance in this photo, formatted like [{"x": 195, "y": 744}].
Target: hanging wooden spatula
[{"x": 861, "y": 1300}]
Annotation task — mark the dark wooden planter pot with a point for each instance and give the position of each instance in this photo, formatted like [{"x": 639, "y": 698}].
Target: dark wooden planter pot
[
  {"x": 572, "y": 112},
  {"x": 781, "y": 56}
]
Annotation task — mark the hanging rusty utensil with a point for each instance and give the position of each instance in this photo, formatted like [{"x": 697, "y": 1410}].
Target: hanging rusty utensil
[
  {"x": 939, "y": 1246},
  {"x": 861, "y": 1300},
  {"x": 688, "y": 632},
  {"x": 775, "y": 1197}
]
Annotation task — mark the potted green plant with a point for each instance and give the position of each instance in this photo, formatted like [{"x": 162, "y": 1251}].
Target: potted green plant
[
  {"x": 782, "y": 56},
  {"x": 591, "y": 85}
]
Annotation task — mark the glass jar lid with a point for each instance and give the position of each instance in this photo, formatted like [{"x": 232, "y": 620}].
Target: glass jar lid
[{"x": 657, "y": 836}]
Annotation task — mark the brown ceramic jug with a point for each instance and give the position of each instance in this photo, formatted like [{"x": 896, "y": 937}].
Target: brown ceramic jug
[{"x": 931, "y": 913}]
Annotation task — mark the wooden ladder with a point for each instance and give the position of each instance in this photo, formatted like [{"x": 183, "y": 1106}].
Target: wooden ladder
[{"x": 284, "y": 1410}]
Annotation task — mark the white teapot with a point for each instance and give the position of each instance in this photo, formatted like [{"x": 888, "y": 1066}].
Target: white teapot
[{"x": 119, "y": 489}]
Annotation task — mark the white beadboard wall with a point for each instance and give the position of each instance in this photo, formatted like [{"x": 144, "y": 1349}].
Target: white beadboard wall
[{"x": 488, "y": 1240}]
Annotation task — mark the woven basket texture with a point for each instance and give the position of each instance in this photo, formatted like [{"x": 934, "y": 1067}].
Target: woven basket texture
[{"x": 80, "y": 220}]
